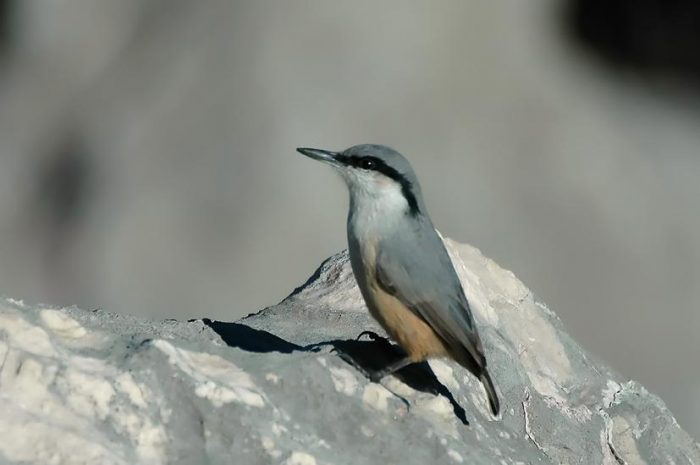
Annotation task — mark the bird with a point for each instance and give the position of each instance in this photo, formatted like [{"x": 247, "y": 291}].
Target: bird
[{"x": 401, "y": 266}]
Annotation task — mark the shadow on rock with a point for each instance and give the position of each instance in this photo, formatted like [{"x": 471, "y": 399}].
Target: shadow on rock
[
  {"x": 373, "y": 355},
  {"x": 249, "y": 339},
  {"x": 366, "y": 356}
]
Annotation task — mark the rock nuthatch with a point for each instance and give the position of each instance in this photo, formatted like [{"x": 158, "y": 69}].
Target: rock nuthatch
[{"x": 401, "y": 265}]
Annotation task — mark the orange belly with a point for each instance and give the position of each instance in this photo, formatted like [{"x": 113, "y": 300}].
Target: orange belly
[{"x": 413, "y": 334}]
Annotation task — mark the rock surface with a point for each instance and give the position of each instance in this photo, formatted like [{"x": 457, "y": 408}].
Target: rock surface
[{"x": 93, "y": 387}]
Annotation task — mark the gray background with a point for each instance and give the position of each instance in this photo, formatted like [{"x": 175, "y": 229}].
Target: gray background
[{"x": 147, "y": 160}]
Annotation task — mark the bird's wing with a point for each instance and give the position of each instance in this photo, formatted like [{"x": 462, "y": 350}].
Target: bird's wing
[{"x": 426, "y": 282}]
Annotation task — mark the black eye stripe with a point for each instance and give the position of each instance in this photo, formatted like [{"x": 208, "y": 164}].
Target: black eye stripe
[
  {"x": 377, "y": 164},
  {"x": 367, "y": 163}
]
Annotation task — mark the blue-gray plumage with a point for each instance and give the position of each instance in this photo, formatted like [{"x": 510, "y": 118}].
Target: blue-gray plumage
[{"x": 401, "y": 265}]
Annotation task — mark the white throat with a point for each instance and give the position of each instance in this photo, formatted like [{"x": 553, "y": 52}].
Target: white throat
[{"x": 376, "y": 205}]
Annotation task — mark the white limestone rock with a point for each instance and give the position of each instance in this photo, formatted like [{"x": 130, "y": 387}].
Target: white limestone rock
[{"x": 82, "y": 387}]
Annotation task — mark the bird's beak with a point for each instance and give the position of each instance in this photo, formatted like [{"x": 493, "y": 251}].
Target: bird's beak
[{"x": 320, "y": 155}]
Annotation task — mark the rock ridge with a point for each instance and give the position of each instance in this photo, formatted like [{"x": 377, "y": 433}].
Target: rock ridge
[{"x": 80, "y": 387}]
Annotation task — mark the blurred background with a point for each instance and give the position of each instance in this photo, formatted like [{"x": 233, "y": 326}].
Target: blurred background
[{"x": 147, "y": 161}]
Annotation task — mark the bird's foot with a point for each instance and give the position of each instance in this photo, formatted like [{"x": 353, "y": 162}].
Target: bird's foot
[{"x": 374, "y": 376}]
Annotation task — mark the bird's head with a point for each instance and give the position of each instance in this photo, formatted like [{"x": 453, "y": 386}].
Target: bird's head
[{"x": 375, "y": 173}]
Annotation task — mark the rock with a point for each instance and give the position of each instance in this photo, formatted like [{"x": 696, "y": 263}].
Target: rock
[{"x": 81, "y": 387}]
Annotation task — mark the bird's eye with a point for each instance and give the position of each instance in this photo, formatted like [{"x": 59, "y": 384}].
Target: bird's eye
[{"x": 367, "y": 163}]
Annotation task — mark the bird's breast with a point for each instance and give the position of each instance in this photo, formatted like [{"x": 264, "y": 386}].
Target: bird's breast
[
  {"x": 363, "y": 258},
  {"x": 370, "y": 222},
  {"x": 413, "y": 334}
]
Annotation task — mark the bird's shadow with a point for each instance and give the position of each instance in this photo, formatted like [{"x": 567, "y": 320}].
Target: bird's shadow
[{"x": 365, "y": 355}]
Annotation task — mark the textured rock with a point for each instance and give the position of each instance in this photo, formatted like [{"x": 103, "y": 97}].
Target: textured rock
[{"x": 94, "y": 387}]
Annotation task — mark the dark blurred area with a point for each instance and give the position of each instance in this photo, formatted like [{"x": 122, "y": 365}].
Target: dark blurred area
[
  {"x": 5, "y": 25},
  {"x": 147, "y": 161},
  {"x": 648, "y": 36}
]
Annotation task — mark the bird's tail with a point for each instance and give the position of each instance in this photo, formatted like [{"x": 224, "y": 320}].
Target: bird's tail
[{"x": 485, "y": 379}]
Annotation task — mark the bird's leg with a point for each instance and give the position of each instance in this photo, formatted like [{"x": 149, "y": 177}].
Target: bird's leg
[
  {"x": 377, "y": 376},
  {"x": 348, "y": 359}
]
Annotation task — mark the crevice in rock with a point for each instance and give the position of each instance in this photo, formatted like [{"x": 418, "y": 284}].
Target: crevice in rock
[
  {"x": 528, "y": 432},
  {"x": 609, "y": 425},
  {"x": 615, "y": 455},
  {"x": 608, "y": 439}
]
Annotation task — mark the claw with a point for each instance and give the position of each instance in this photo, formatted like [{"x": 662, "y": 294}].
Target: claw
[{"x": 372, "y": 335}]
